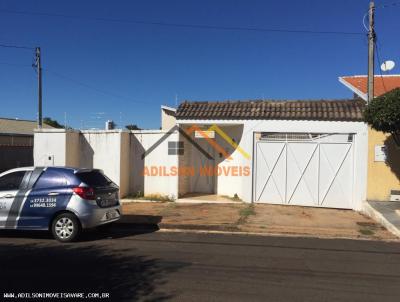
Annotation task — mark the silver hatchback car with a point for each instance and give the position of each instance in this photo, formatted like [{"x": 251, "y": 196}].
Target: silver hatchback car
[{"x": 63, "y": 200}]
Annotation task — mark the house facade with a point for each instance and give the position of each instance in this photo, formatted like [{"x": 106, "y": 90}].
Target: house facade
[
  {"x": 316, "y": 153},
  {"x": 311, "y": 153}
]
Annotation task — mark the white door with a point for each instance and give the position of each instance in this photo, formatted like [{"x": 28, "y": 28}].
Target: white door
[
  {"x": 203, "y": 179},
  {"x": 312, "y": 172}
]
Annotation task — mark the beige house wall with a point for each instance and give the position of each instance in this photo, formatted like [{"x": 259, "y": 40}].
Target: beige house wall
[
  {"x": 382, "y": 176},
  {"x": 168, "y": 119}
]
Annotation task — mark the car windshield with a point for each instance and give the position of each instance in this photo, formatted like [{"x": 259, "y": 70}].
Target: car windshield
[{"x": 94, "y": 178}]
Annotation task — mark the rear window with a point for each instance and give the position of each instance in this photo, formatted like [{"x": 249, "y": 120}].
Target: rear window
[
  {"x": 51, "y": 178},
  {"x": 94, "y": 178}
]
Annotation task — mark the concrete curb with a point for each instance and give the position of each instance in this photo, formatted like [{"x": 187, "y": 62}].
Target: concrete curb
[
  {"x": 180, "y": 201},
  {"x": 368, "y": 210},
  {"x": 234, "y": 230},
  {"x": 192, "y": 231}
]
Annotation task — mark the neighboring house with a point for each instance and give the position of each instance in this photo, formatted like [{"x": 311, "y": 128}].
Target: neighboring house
[
  {"x": 16, "y": 143},
  {"x": 383, "y": 153}
]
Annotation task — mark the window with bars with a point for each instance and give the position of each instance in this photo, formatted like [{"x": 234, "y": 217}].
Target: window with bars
[
  {"x": 293, "y": 136},
  {"x": 175, "y": 148}
]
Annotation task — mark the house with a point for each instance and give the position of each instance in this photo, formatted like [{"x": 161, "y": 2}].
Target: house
[
  {"x": 383, "y": 152},
  {"x": 16, "y": 143},
  {"x": 311, "y": 153}
]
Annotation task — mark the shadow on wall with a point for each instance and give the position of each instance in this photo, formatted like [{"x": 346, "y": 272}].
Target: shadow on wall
[
  {"x": 87, "y": 153},
  {"x": 86, "y": 268},
  {"x": 136, "y": 175},
  {"x": 393, "y": 156},
  {"x": 190, "y": 184}
]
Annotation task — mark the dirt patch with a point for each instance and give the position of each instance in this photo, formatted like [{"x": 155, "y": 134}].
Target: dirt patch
[{"x": 257, "y": 218}]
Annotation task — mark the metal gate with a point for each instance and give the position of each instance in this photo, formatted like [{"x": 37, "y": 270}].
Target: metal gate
[{"x": 316, "y": 171}]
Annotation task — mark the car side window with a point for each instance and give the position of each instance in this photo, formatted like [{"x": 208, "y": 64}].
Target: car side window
[
  {"x": 11, "y": 181},
  {"x": 51, "y": 179}
]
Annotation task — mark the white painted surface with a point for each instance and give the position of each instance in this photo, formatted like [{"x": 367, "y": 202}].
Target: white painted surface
[
  {"x": 49, "y": 152},
  {"x": 243, "y": 185},
  {"x": 101, "y": 150},
  {"x": 157, "y": 159},
  {"x": 380, "y": 153},
  {"x": 318, "y": 174},
  {"x": 118, "y": 153}
]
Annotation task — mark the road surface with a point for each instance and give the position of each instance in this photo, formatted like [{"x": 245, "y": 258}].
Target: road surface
[{"x": 143, "y": 265}]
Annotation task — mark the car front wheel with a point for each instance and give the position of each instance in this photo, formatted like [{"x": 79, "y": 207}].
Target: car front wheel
[{"x": 65, "y": 227}]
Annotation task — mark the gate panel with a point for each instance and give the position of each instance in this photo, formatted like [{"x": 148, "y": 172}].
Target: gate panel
[
  {"x": 336, "y": 170},
  {"x": 302, "y": 167},
  {"x": 270, "y": 174},
  {"x": 316, "y": 173}
]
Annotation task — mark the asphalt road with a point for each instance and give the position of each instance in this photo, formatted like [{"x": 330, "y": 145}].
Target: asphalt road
[{"x": 144, "y": 265}]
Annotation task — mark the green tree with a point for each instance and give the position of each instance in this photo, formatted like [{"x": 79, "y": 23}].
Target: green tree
[
  {"x": 383, "y": 113},
  {"x": 132, "y": 127},
  {"x": 53, "y": 123}
]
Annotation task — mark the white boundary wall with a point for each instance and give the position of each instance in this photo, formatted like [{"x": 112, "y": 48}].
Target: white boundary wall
[
  {"x": 117, "y": 152},
  {"x": 158, "y": 159}
]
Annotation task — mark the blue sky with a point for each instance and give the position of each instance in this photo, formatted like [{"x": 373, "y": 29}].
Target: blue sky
[{"x": 125, "y": 71}]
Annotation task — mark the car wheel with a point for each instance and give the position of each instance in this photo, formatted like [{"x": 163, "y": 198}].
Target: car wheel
[{"x": 65, "y": 227}]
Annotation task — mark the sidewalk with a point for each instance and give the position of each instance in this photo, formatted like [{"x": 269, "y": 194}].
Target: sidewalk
[
  {"x": 256, "y": 219},
  {"x": 386, "y": 213}
]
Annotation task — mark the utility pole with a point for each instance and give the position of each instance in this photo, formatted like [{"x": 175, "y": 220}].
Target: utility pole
[
  {"x": 38, "y": 65},
  {"x": 371, "y": 52}
]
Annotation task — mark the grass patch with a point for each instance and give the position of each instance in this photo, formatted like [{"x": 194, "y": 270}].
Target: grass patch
[
  {"x": 233, "y": 198},
  {"x": 245, "y": 213},
  {"x": 368, "y": 228},
  {"x": 366, "y": 232},
  {"x": 153, "y": 197}
]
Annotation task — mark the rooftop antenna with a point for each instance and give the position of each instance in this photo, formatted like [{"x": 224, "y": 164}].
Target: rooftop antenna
[{"x": 387, "y": 66}]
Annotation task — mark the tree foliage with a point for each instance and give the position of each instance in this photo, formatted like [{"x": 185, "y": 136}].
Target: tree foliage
[
  {"x": 383, "y": 112},
  {"x": 53, "y": 123},
  {"x": 132, "y": 127}
]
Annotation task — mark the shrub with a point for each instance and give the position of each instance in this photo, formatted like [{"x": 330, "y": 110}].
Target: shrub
[{"x": 383, "y": 113}]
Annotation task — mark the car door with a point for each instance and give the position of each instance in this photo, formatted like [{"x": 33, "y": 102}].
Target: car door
[
  {"x": 49, "y": 194},
  {"x": 9, "y": 187}
]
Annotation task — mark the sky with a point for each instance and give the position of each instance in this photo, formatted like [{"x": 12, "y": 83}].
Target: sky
[{"x": 94, "y": 70}]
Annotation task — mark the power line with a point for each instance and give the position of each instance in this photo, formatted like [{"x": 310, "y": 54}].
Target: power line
[
  {"x": 380, "y": 63},
  {"x": 184, "y": 25},
  {"x": 92, "y": 87},
  {"x": 16, "y": 46},
  {"x": 76, "y": 82},
  {"x": 389, "y": 5},
  {"x": 16, "y": 65}
]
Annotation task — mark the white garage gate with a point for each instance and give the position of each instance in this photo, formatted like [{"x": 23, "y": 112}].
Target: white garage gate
[{"x": 304, "y": 169}]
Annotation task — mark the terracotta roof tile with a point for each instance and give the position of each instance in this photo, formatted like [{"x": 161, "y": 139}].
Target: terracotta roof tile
[
  {"x": 333, "y": 110},
  {"x": 382, "y": 84}
]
